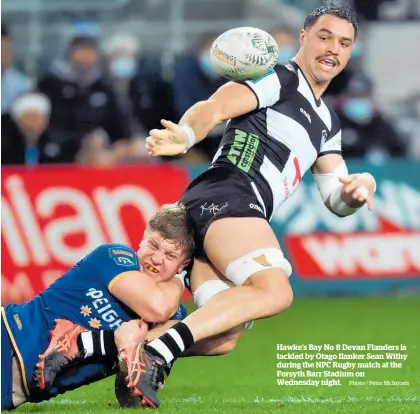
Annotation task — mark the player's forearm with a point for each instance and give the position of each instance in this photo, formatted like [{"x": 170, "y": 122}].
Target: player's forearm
[
  {"x": 202, "y": 118},
  {"x": 151, "y": 300},
  {"x": 342, "y": 194},
  {"x": 166, "y": 299}
]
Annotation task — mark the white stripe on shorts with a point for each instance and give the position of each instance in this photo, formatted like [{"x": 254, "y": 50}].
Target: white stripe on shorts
[{"x": 259, "y": 198}]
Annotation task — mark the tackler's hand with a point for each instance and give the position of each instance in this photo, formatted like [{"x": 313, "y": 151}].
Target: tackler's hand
[
  {"x": 130, "y": 333},
  {"x": 358, "y": 189},
  {"x": 172, "y": 140}
]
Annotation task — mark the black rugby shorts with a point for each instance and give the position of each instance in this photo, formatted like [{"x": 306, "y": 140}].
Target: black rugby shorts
[{"x": 219, "y": 192}]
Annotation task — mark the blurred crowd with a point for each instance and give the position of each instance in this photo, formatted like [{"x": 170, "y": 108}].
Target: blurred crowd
[{"x": 97, "y": 101}]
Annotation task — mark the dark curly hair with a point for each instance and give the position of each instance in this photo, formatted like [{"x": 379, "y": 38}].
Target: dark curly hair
[{"x": 340, "y": 9}]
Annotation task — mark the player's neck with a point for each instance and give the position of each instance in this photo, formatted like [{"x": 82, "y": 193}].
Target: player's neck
[{"x": 317, "y": 88}]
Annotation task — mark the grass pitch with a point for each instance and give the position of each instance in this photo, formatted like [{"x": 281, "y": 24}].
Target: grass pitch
[{"x": 245, "y": 381}]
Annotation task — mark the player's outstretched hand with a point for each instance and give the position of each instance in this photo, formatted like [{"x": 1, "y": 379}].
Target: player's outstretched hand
[
  {"x": 130, "y": 333},
  {"x": 172, "y": 140},
  {"x": 358, "y": 189}
]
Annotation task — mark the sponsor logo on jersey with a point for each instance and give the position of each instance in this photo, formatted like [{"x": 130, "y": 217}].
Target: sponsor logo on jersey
[
  {"x": 123, "y": 252},
  {"x": 308, "y": 117},
  {"x": 256, "y": 207},
  {"x": 120, "y": 257},
  {"x": 85, "y": 310},
  {"x": 243, "y": 149},
  {"x": 95, "y": 323},
  {"x": 18, "y": 321},
  {"x": 103, "y": 308},
  {"x": 212, "y": 208},
  {"x": 286, "y": 187}
]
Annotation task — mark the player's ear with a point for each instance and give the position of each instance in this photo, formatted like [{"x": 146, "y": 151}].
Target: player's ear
[
  {"x": 183, "y": 265},
  {"x": 302, "y": 36}
]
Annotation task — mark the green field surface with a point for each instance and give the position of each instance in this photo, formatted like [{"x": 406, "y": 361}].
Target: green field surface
[{"x": 245, "y": 381}]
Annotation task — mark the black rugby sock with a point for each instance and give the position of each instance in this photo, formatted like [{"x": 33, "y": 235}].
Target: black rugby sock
[{"x": 171, "y": 344}]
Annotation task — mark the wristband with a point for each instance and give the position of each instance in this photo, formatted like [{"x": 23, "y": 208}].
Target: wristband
[
  {"x": 373, "y": 178},
  {"x": 190, "y": 135}
]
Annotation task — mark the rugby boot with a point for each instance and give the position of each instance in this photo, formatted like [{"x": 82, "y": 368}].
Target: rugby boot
[
  {"x": 145, "y": 373},
  {"x": 62, "y": 352}
]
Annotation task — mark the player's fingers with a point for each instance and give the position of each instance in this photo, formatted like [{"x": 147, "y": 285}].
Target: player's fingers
[
  {"x": 150, "y": 146},
  {"x": 355, "y": 185},
  {"x": 152, "y": 142},
  {"x": 346, "y": 179},
  {"x": 357, "y": 196},
  {"x": 158, "y": 134},
  {"x": 143, "y": 328},
  {"x": 169, "y": 125},
  {"x": 350, "y": 187},
  {"x": 369, "y": 202},
  {"x": 153, "y": 132},
  {"x": 154, "y": 152}
]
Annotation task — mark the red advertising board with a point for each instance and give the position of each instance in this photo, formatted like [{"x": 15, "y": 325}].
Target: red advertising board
[
  {"x": 52, "y": 217},
  {"x": 391, "y": 251}
]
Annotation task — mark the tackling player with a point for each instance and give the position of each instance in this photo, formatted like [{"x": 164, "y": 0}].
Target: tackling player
[
  {"x": 279, "y": 129},
  {"x": 119, "y": 345},
  {"x": 110, "y": 285}
]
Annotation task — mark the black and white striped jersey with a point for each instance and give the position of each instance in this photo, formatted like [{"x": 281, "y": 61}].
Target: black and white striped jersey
[{"x": 278, "y": 142}]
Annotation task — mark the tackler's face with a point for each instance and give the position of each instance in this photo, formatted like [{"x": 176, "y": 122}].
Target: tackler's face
[
  {"x": 159, "y": 258},
  {"x": 327, "y": 47}
]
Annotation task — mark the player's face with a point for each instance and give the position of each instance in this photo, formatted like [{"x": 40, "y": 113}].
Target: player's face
[
  {"x": 159, "y": 258},
  {"x": 327, "y": 47}
]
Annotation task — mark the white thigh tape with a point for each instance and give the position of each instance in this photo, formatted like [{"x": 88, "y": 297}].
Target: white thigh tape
[
  {"x": 270, "y": 257},
  {"x": 207, "y": 290}
]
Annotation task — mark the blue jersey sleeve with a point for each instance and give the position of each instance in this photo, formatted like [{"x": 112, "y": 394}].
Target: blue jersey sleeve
[
  {"x": 181, "y": 313},
  {"x": 109, "y": 262}
]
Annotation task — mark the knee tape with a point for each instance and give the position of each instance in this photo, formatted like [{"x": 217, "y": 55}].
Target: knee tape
[{"x": 270, "y": 257}]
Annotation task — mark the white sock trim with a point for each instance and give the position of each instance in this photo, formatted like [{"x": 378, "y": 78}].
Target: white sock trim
[
  {"x": 160, "y": 347},
  {"x": 102, "y": 342},
  {"x": 87, "y": 342},
  {"x": 177, "y": 337}
]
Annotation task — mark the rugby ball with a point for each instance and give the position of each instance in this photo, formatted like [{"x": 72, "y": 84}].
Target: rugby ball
[{"x": 244, "y": 53}]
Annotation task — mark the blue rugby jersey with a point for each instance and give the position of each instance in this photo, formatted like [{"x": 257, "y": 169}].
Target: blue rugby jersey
[{"x": 82, "y": 295}]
